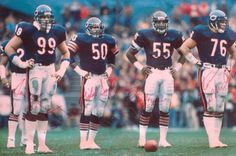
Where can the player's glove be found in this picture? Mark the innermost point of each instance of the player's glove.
(5, 82)
(146, 70)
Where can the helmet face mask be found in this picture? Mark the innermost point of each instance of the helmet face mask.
(44, 16)
(94, 27)
(160, 22)
(218, 21)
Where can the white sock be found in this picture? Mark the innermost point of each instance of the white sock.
(163, 132)
(23, 131)
(92, 135)
(209, 123)
(42, 128)
(218, 124)
(30, 127)
(142, 132)
(83, 136)
(12, 126)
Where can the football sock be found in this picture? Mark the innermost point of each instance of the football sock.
(143, 124)
(84, 126)
(163, 125)
(12, 126)
(42, 128)
(94, 126)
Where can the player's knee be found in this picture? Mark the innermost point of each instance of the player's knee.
(45, 105)
(18, 106)
(35, 107)
(164, 104)
(150, 102)
(88, 108)
(220, 103)
(100, 112)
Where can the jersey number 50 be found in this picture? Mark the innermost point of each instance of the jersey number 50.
(99, 52)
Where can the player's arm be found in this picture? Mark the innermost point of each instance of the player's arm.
(232, 58)
(130, 54)
(10, 50)
(3, 63)
(65, 60)
(185, 50)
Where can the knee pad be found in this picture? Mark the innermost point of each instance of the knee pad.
(88, 107)
(51, 86)
(164, 103)
(46, 105)
(18, 106)
(211, 102)
(220, 103)
(35, 107)
(149, 102)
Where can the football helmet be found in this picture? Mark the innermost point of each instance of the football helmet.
(44, 16)
(160, 22)
(218, 21)
(94, 27)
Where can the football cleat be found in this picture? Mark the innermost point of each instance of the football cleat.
(93, 146)
(83, 146)
(10, 143)
(141, 143)
(44, 149)
(164, 144)
(29, 149)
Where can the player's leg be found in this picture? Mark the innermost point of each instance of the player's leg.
(221, 93)
(97, 112)
(35, 86)
(207, 92)
(17, 96)
(87, 94)
(149, 102)
(49, 86)
(165, 94)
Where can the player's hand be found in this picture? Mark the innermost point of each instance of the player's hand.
(199, 64)
(87, 75)
(30, 63)
(57, 76)
(173, 72)
(5, 82)
(146, 70)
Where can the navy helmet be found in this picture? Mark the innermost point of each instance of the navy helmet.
(217, 21)
(160, 22)
(44, 16)
(94, 27)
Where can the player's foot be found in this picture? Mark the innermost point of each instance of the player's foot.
(10, 143)
(222, 145)
(29, 149)
(141, 143)
(44, 149)
(93, 145)
(83, 146)
(214, 144)
(164, 143)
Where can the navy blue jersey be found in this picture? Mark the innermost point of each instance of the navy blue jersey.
(20, 52)
(94, 53)
(158, 48)
(41, 46)
(212, 47)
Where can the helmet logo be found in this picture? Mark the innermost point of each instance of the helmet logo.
(213, 17)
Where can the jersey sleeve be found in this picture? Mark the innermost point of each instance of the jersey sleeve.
(138, 41)
(22, 30)
(112, 52)
(195, 35)
(178, 41)
(61, 34)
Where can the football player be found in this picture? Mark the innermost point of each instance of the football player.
(97, 52)
(40, 39)
(18, 93)
(158, 43)
(214, 42)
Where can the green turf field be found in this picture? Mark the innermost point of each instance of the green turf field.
(122, 142)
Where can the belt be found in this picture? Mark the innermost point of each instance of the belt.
(162, 68)
(209, 65)
(43, 64)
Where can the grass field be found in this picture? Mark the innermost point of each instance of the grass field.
(122, 142)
